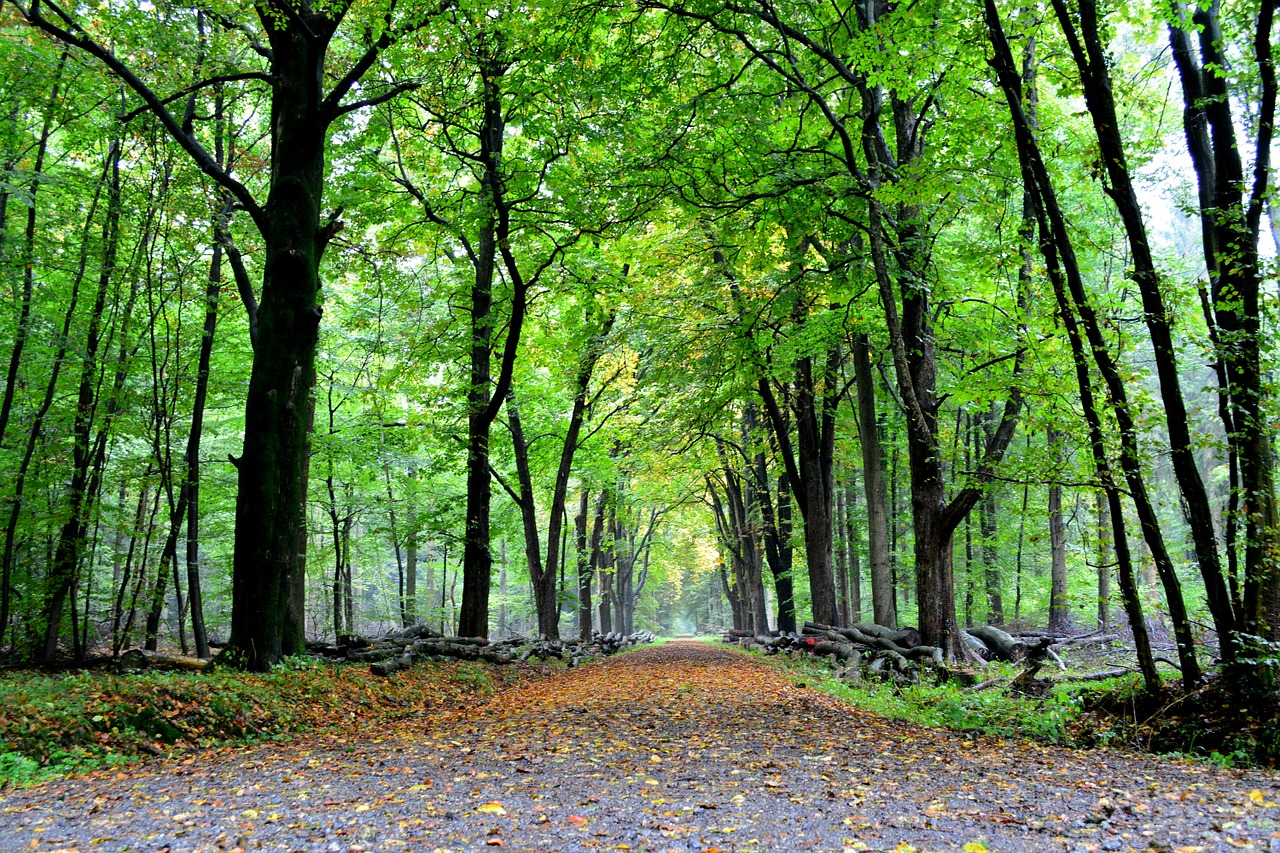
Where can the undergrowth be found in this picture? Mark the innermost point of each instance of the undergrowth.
(54, 725)
(1209, 724)
(952, 706)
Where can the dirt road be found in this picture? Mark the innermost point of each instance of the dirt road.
(680, 747)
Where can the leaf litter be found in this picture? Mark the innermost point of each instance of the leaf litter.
(681, 747)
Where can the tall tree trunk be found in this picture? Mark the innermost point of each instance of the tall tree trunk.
(1056, 249)
(411, 573)
(883, 603)
(486, 394)
(842, 548)
(191, 484)
(1092, 61)
(70, 549)
(934, 518)
(855, 559)
(987, 525)
(584, 565)
(1105, 559)
(1231, 223)
(776, 533)
(1059, 604)
(23, 327)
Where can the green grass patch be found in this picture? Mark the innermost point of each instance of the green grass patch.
(1060, 718)
(1210, 724)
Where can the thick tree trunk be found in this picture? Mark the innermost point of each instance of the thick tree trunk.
(815, 431)
(911, 340)
(269, 570)
(485, 399)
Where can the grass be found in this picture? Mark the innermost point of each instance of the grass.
(55, 725)
(1208, 724)
(950, 705)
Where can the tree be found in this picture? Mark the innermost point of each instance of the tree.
(293, 46)
(543, 577)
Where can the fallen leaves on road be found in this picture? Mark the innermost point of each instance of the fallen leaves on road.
(679, 747)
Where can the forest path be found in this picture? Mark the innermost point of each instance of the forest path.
(679, 747)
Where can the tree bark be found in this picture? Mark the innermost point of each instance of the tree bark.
(543, 577)
(70, 548)
(1056, 250)
(584, 566)
(1059, 606)
(1105, 560)
(487, 393)
(883, 601)
(1230, 224)
(1091, 59)
(268, 574)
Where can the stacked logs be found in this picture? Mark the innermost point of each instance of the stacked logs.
(402, 649)
(870, 650)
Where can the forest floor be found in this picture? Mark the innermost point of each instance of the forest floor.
(680, 747)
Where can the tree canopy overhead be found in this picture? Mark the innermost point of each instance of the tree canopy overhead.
(551, 317)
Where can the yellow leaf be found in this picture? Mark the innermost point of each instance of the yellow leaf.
(492, 808)
(1256, 797)
(904, 847)
(974, 847)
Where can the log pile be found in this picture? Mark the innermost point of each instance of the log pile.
(402, 649)
(870, 650)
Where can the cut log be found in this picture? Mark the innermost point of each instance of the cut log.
(372, 655)
(140, 659)
(839, 651)
(904, 637)
(1002, 645)
(392, 665)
